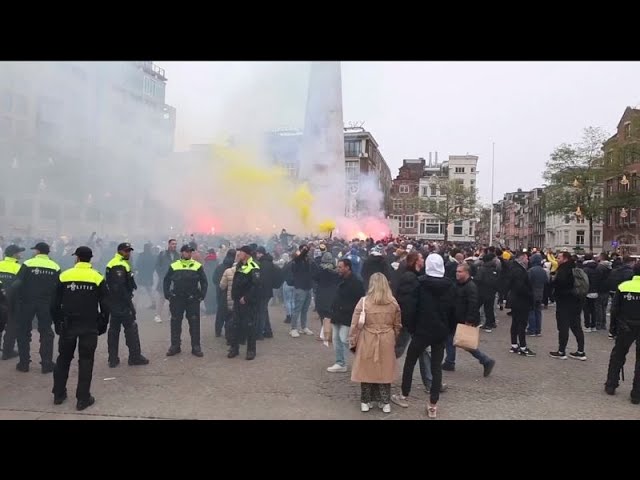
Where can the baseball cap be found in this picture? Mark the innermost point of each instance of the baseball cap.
(11, 250)
(83, 252)
(261, 250)
(186, 248)
(125, 246)
(42, 248)
(246, 249)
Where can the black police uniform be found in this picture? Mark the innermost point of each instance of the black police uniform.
(9, 271)
(4, 308)
(123, 314)
(246, 284)
(626, 307)
(80, 311)
(185, 286)
(38, 278)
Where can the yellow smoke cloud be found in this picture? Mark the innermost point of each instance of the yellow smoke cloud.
(327, 226)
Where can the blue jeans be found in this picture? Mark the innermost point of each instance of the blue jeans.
(424, 360)
(288, 294)
(302, 301)
(341, 343)
(535, 319)
(482, 357)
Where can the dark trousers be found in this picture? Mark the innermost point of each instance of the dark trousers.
(179, 308)
(519, 320)
(416, 348)
(243, 325)
(131, 335)
(264, 324)
(624, 340)
(424, 360)
(547, 295)
(375, 392)
(25, 325)
(487, 303)
(568, 317)
(87, 344)
(590, 312)
(10, 334)
(222, 313)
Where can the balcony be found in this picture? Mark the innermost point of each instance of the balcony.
(152, 69)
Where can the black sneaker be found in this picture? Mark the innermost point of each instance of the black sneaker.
(530, 334)
(526, 352)
(233, 352)
(82, 404)
(218, 334)
(47, 367)
(58, 399)
(443, 388)
(487, 328)
(558, 355)
(288, 319)
(9, 355)
(268, 335)
(197, 352)
(578, 356)
(139, 360)
(514, 350)
(114, 363)
(610, 390)
(22, 367)
(635, 400)
(501, 307)
(488, 367)
(173, 351)
(448, 367)
(251, 355)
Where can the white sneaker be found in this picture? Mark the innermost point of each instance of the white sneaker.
(157, 319)
(365, 407)
(336, 368)
(306, 331)
(386, 408)
(294, 333)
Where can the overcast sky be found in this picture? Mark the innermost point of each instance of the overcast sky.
(413, 108)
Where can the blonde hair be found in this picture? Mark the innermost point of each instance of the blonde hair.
(379, 291)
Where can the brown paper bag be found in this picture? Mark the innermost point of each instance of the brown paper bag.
(466, 337)
(327, 329)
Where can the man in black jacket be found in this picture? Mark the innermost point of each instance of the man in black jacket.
(521, 302)
(303, 270)
(568, 307)
(164, 260)
(592, 305)
(350, 291)
(246, 293)
(487, 280)
(270, 276)
(375, 263)
(222, 312)
(466, 313)
(620, 274)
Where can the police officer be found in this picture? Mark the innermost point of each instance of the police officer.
(38, 278)
(626, 308)
(9, 271)
(80, 311)
(245, 293)
(185, 286)
(121, 285)
(4, 308)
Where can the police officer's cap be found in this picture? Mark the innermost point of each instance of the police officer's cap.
(42, 248)
(124, 247)
(11, 250)
(246, 249)
(186, 248)
(83, 252)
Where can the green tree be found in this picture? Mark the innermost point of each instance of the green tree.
(454, 203)
(574, 179)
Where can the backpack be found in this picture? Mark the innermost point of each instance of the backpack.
(580, 283)
(488, 277)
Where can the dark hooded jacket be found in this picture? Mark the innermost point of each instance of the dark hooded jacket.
(467, 303)
(269, 275)
(407, 296)
(595, 273)
(375, 264)
(327, 279)
(435, 309)
(520, 291)
(487, 278)
(537, 277)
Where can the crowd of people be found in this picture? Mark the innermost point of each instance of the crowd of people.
(376, 299)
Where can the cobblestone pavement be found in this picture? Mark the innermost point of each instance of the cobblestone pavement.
(288, 380)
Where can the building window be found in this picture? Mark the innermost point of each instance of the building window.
(148, 86)
(457, 227)
(403, 189)
(566, 237)
(398, 205)
(472, 182)
(398, 218)
(597, 239)
(431, 228)
(352, 170)
(459, 181)
(409, 221)
(473, 169)
(459, 169)
(580, 219)
(567, 219)
(579, 237)
(627, 130)
(434, 190)
(470, 230)
(352, 148)
(292, 170)
(425, 191)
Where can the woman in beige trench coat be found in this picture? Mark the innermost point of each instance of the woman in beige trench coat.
(375, 360)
